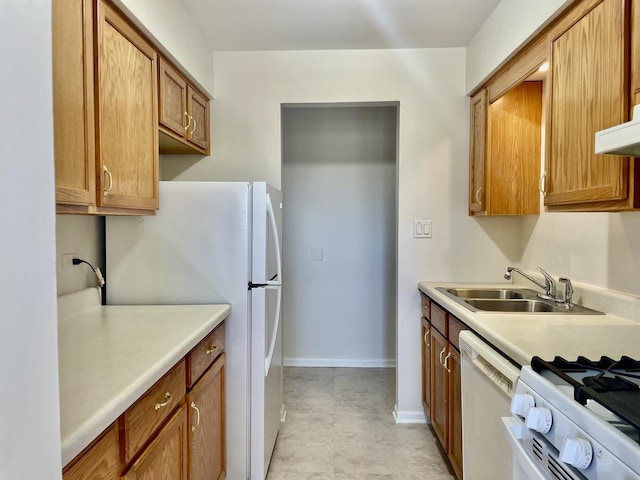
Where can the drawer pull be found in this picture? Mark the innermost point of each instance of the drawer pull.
(186, 128)
(166, 402)
(110, 177)
(193, 427)
(441, 354)
(212, 349)
(426, 336)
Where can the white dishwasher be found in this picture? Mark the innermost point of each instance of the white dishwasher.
(488, 382)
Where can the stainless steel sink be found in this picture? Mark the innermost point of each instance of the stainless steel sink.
(510, 300)
(520, 305)
(503, 293)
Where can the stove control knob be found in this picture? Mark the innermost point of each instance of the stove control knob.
(521, 403)
(539, 419)
(576, 452)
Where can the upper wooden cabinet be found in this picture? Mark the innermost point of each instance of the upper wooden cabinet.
(477, 153)
(73, 114)
(504, 160)
(589, 92)
(184, 113)
(105, 111)
(127, 115)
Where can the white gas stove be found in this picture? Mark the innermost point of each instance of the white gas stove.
(576, 420)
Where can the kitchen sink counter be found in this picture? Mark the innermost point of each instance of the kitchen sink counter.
(523, 335)
(110, 355)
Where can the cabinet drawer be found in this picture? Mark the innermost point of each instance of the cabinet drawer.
(439, 319)
(97, 462)
(425, 305)
(203, 354)
(455, 327)
(144, 417)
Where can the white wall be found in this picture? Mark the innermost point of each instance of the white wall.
(339, 184)
(29, 406)
(508, 27)
(432, 161)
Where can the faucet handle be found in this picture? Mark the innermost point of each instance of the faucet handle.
(568, 290)
(549, 282)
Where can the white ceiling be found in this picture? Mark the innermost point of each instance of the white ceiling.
(338, 24)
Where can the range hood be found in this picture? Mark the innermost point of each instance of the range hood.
(623, 139)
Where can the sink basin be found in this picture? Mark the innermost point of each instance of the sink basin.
(520, 305)
(497, 293)
(510, 300)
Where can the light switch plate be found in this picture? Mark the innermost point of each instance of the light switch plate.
(422, 229)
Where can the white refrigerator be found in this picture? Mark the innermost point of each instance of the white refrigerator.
(216, 242)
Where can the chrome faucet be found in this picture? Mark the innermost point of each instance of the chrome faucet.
(549, 286)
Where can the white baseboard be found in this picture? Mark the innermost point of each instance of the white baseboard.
(340, 362)
(407, 416)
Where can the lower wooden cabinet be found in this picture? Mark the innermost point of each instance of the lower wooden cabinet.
(441, 384)
(175, 431)
(100, 462)
(206, 457)
(165, 457)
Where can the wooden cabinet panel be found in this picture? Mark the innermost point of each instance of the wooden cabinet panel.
(439, 319)
(99, 462)
(425, 305)
(426, 366)
(127, 93)
(165, 458)
(203, 355)
(454, 449)
(439, 387)
(73, 113)
(198, 108)
(142, 419)
(184, 113)
(173, 94)
(477, 152)
(206, 402)
(588, 93)
(514, 151)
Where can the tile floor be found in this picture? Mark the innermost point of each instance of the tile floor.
(340, 427)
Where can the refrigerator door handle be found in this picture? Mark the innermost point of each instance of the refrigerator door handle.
(276, 241)
(274, 333)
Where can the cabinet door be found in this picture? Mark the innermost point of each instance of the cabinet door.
(198, 108)
(73, 113)
(513, 151)
(439, 386)
(165, 458)
(454, 449)
(100, 462)
(206, 402)
(127, 90)
(173, 99)
(588, 93)
(426, 366)
(477, 152)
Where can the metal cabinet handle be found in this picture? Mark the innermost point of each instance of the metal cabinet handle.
(195, 125)
(110, 177)
(426, 335)
(446, 360)
(186, 128)
(441, 354)
(542, 184)
(478, 195)
(193, 427)
(166, 402)
(211, 349)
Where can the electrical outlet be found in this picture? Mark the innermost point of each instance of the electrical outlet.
(67, 260)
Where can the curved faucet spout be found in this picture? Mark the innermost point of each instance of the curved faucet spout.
(549, 285)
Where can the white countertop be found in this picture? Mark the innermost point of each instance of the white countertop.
(522, 335)
(108, 356)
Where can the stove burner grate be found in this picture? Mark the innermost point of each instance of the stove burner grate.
(607, 382)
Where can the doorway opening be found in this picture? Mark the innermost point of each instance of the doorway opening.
(339, 183)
